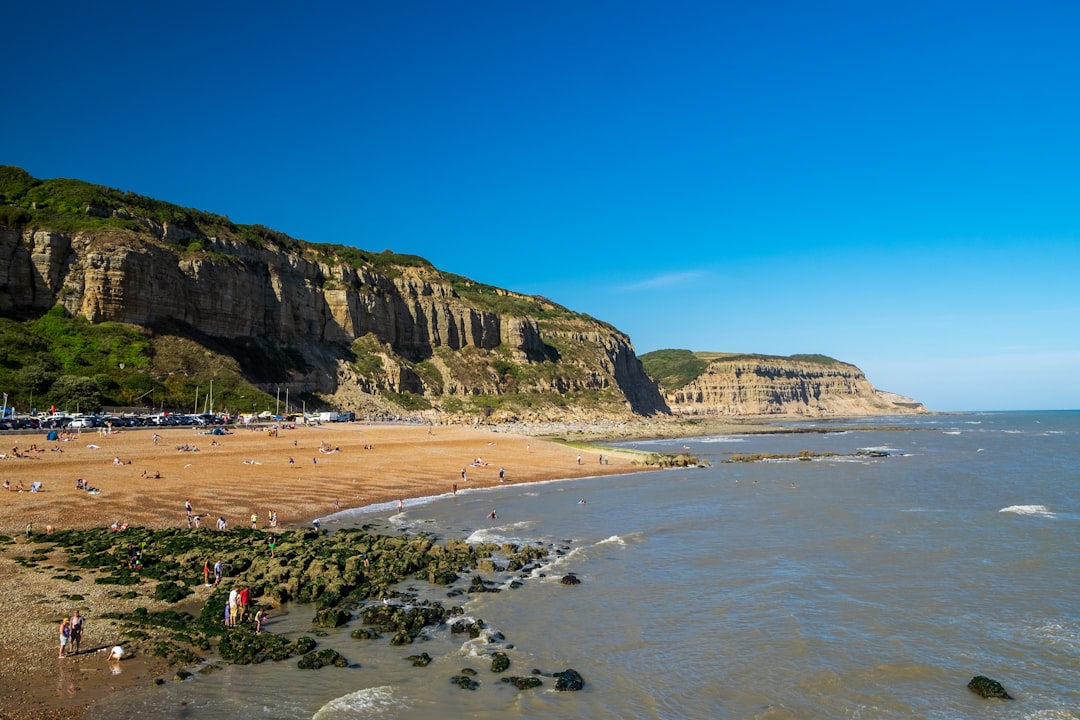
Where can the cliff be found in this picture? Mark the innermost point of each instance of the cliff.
(360, 329)
(749, 385)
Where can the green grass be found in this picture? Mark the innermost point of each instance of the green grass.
(675, 369)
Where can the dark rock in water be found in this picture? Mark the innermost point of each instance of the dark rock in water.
(401, 638)
(524, 683)
(302, 645)
(365, 634)
(322, 658)
(331, 618)
(479, 585)
(570, 579)
(500, 662)
(569, 680)
(982, 685)
(464, 682)
(181, 675)
(421, 660)
(472, 629)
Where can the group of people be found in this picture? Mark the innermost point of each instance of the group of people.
(71, 632)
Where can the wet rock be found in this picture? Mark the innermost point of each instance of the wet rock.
(524, 683)
(330, 618)
(568, 679)
(570, 579)
(464, 682)
(473, 629)
(987, 688)
(365, 634)
(421, 660)
(321, 658)
(500, 662)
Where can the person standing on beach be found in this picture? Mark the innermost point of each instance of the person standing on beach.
(254, 521)
(217, 573)
(76, 631)
(234, 612)
(206, 572)
(65, 635)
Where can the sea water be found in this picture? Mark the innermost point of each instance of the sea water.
(849, 586)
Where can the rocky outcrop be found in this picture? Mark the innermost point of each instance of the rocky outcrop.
(745, 385)
(306, 301)
(988, 688)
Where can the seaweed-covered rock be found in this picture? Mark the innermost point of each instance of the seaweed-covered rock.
(472, 629)
(568, 680)
(302, 645)
(465, 679)
(987, 688)
(570, 579)
(171, 592)
(421, 660)
(243, 647)
(524, 683)
(322, 658)
(330, 618)
(365, 634)
(500, 662)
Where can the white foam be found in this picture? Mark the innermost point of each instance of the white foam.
(614, 539)
(370, 701)
(1034, 510)
(513, 533)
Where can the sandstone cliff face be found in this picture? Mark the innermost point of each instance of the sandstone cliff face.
(783, 386)
(270, 296)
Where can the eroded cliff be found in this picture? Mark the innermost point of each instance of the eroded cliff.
(319, 321)
(749, 385)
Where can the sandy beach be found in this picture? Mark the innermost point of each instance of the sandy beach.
(300, 473)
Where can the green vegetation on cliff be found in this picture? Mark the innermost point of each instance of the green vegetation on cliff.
(675, 369)
(353, 329)
(73, 364)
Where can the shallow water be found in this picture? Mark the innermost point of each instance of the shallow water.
(843, 587)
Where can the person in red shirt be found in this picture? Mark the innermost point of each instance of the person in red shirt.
(244, 603)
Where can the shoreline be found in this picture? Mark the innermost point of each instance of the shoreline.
(300, 472)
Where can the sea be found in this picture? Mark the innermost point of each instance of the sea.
(872, 585)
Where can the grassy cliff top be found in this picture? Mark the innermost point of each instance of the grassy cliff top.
(677, 368)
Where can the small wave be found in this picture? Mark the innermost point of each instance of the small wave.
(613, 540)
(950, 432)
(721, 439)
(501, 534)
(370, 701)
(1035, 510)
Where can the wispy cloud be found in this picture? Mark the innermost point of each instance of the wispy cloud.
(662, 281)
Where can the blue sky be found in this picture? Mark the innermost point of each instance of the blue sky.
(895, 185)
